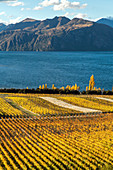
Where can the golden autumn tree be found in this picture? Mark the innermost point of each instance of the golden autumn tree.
(95, 88)
(75, 87)
(40, 87)
(67, 87)
(86, 88)
(45, 86)
(53, 86)
(62, 88)
(91, 83)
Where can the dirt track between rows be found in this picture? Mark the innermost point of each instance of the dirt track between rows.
(102, 98)
(69, 106)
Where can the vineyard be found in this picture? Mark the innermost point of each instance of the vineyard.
(7, 109)
(39, 106)
(36, 134)
(90, 102)
(56, 143)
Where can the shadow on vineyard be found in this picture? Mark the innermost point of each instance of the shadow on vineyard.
(107, 167)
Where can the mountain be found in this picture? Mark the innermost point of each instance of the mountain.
(2, 27)
(35, 25)
(28, 22)
(107, 21)
(53, 23)
(57, 34)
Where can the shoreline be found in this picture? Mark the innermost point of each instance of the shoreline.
(56, 91)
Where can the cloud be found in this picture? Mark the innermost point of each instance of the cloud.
(2, 13)
(96, 19)
(65, 4)
(16, 4)
(37, 8)
(83, 6)
(46, 3)
(4, 22)
(80, 15)
(28, 9)
(22, 9)
(13, 21)
(67, 14)
(7, 0)
(59, 5)
(11, 16)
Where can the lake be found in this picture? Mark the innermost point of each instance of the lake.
(31, 69)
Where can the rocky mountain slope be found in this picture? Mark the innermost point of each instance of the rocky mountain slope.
(57, 34)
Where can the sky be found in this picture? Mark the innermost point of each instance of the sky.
(13, 11)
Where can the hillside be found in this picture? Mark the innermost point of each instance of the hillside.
(57, 34)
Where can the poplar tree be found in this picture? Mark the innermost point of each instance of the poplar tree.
(91, 82)
(40, 87)
(53, 86)
(62, 88)
(86, 88)
(75, 86)
(45, 86)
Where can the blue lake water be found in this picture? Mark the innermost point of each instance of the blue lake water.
(22, 69)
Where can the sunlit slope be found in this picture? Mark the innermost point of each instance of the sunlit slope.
(89, 102)
(7, 109)
(35, 104)
(40, 106)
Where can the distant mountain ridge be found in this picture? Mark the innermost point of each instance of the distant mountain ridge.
(2, 27)
(56, 34)
(106, 21)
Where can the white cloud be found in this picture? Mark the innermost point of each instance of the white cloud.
(4, 22)
(11, 16)
(7, 0)
(37, 8)
(65, 4)
(59, 5)
(96, 19)
(46, 3)
(83, 6)
(13, 21)
(28, 9)
(16, 4)
(22, 9)
(2, 13)
(80, 15)
(66, 14)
